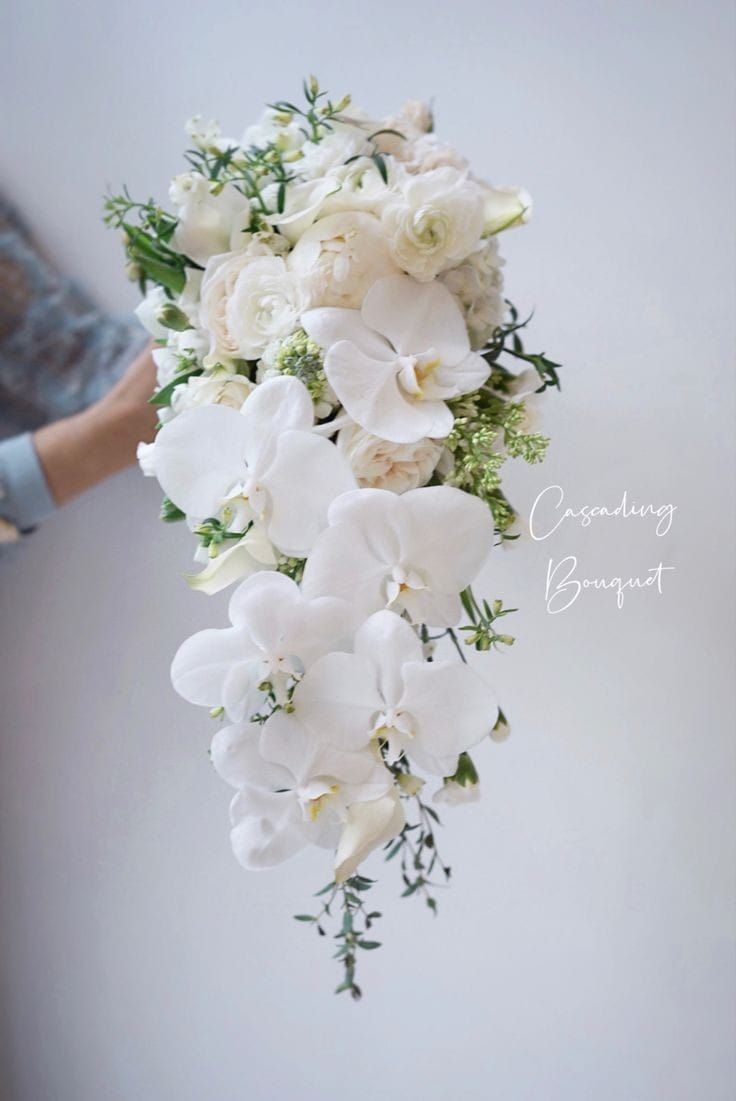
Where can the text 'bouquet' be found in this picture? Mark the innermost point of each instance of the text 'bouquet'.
(340, 381)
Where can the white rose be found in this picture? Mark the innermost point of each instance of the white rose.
(434, 222)
(205, 220)
(247, 302)
(379, 464)
(478, 285)
(218, 388)
(340, 257)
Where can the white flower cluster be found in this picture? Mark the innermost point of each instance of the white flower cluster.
(337, 279)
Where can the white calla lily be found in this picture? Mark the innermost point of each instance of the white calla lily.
(293, 790)
(385, 692)
(275, 635)
(263, 466)
(394, 363)
(368, 826)
(413, 552)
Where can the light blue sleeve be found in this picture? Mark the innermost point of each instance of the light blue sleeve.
(25, 498)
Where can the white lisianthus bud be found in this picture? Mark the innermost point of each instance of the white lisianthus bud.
(505, 207)
(380, 464)
(501, 731)
(454, 794)
(409, 783)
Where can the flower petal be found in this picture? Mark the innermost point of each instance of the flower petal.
(237, 759)
(251, 554)
(306, 475)
(344, 564)
(388, 641)
(454, 709)
(368, 826)
(369, 391)
(268, 828)
(447, 531)
(203, 662)
(464, 377)
(199, 456)
(329, 325)
(337, 699)
(417, 316)
(277, 405)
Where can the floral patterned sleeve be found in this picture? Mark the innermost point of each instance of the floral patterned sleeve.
(58, 354)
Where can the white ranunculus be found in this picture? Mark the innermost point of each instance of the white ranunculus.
(275, 634)
(217, 388)
(434, 222)
(477, 283)
(504, 207)
(293, 788)
(394, 364)
(264, 466)
(205, 219)
(247, 302)
(386, 693)
(380, 464)
(368, 826)
(413, 552)
(339, 258)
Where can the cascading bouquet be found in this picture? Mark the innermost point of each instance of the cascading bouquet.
(334, 411)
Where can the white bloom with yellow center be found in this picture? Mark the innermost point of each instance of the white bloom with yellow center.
(414, 552)
(293, 788)
(387, 694)
(394, 363)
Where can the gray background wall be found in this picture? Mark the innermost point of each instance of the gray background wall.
(586, 947)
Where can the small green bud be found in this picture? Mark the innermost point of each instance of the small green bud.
(216, 712)
(171, 317)
(507, 640)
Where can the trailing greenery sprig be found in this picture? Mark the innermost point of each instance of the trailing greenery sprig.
(356, 922)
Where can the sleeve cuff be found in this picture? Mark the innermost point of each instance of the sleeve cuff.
(25, 498)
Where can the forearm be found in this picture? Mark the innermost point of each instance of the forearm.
(79, 451)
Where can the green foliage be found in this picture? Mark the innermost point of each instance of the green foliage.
(481, 631)
(345, 902)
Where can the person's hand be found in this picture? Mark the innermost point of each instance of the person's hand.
(79, 451)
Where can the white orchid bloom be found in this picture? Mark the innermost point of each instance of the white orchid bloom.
(275, 635)
(386, 693)
(415, 552)
(368, 826)
(293, 790)
(394, 363)
(262, 466)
